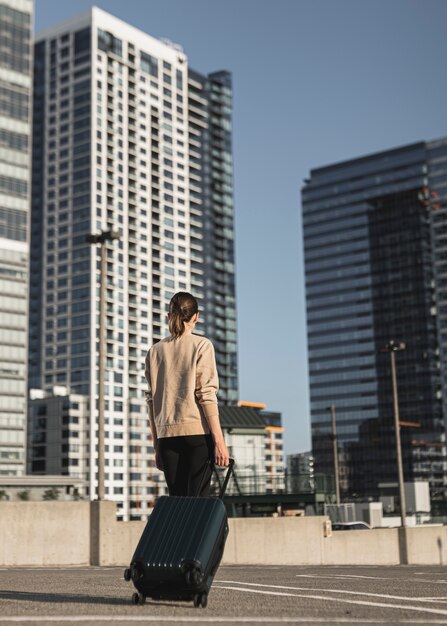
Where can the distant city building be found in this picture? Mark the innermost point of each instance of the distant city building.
(126, 137)
(300, 476)
(274, 449)
(58, 434)
(300, 463)
(59, 444)
(38, 488)
(255, 439)
(375, 264)
(15, 166)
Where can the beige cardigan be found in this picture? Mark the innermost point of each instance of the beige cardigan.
(183, 384)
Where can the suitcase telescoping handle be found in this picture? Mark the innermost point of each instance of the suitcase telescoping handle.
(227, 478)
(225, 482)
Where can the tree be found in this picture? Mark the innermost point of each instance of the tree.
(23, 495)
(76, 495)
(51, 494)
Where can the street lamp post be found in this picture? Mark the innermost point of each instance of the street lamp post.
(102, 239)
(392, 347)
(335, 451)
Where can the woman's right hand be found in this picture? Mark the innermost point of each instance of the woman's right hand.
(221, 454)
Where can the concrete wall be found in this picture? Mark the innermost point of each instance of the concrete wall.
(362, 547)
(44, 533)
(433, 548)
(81, 533)
(273, 540)
(112, 542)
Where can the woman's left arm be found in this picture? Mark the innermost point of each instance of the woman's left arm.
(150, 405)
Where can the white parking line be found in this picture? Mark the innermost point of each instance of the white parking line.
(327, 599)
(435, 582)
(358, 576)
(349, 576)
(350, 593)
(341, 576)
(433, 598)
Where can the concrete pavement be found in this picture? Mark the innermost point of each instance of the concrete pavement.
(240, 595)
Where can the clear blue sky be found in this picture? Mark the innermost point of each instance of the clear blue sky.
(315, 82)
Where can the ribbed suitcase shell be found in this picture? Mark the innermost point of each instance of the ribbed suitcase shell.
(181, 532)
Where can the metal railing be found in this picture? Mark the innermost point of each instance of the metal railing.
(247, 482)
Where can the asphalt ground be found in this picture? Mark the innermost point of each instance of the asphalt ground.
(240, 595)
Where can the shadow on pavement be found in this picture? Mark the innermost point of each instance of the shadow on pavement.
(33, 596)
(61, 598)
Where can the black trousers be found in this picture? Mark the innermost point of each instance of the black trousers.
(185, 464)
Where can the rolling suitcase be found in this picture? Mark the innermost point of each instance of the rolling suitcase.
(180, 548)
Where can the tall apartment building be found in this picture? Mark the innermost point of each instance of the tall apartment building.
(15, 129)
(376, 270)
(211, 201)
(126, 137)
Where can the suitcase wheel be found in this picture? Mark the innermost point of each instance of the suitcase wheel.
(127, 574)
(193, 577)
(138, 598)
(136, 571)
(200, 599)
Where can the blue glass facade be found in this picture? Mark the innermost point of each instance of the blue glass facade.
(370, 278)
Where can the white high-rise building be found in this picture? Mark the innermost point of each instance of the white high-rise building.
(113, 151)
(15, 132)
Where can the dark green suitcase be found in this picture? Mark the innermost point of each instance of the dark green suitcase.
(180, 548)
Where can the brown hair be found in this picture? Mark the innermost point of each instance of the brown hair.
(182, 307)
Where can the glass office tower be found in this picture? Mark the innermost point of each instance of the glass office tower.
(123, 140)
(15, 128)
(374, 249)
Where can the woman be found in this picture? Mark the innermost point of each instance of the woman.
(182, 398)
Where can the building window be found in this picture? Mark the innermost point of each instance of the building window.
(149, 64)
(82, 41)
(108, 43)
